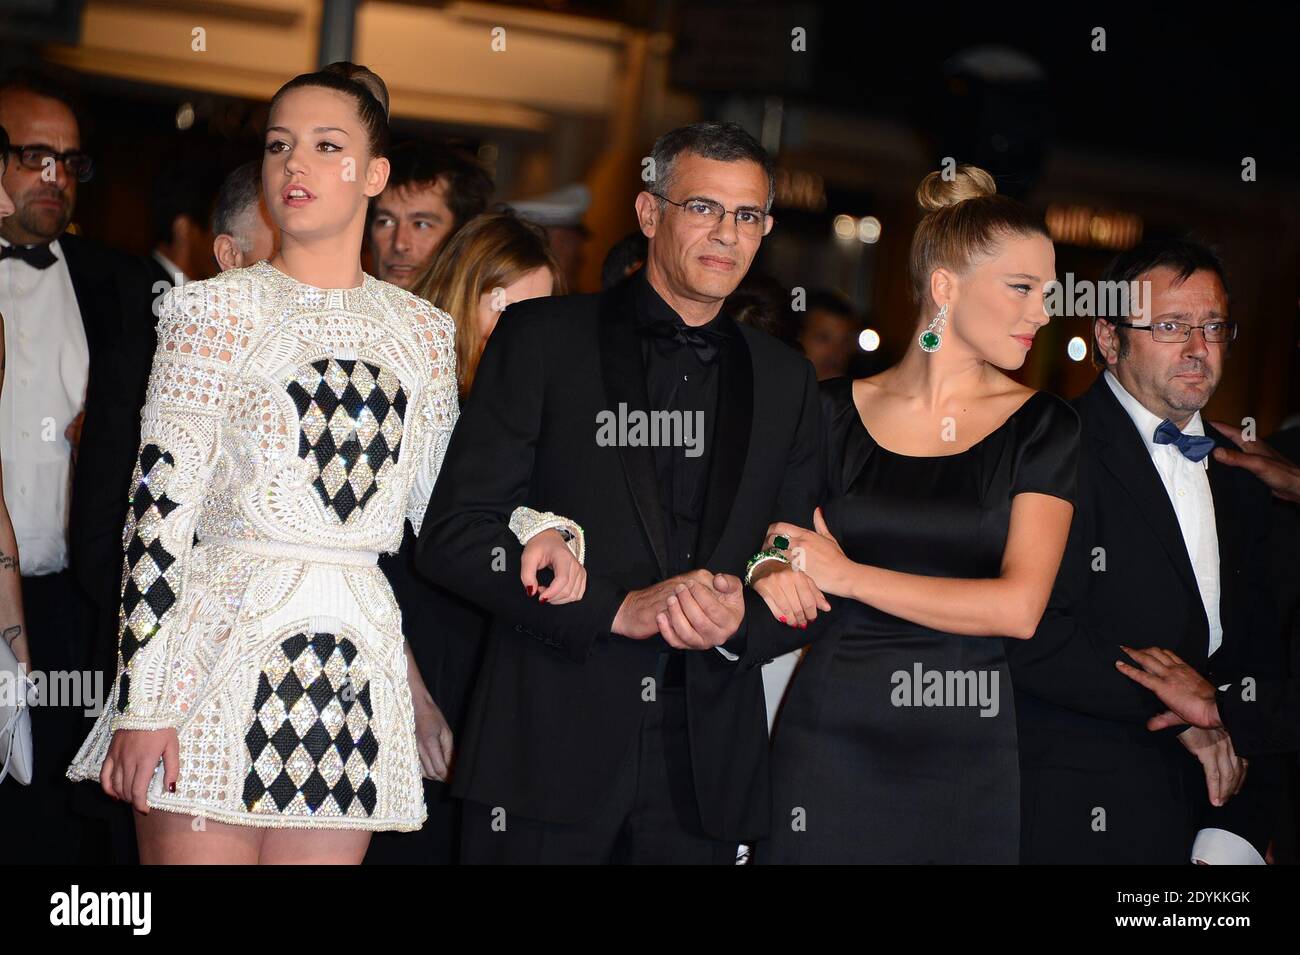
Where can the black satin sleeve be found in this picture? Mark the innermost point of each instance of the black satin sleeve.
(839, 415)
(1047, 448)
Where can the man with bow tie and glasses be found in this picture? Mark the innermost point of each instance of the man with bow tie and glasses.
(1167, 549)
(75, 313)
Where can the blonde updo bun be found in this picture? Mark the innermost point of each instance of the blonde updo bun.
(968, 182)
(965, 219)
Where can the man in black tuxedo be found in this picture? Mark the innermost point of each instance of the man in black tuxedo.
(630, 725)
(1267, 719)
(1168, 547)
(79, 317)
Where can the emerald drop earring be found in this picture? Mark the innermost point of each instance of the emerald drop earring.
(932, 337)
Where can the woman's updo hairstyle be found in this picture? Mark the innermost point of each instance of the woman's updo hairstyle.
(364, 86)
(964, 220)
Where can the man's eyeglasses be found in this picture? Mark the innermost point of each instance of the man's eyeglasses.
(705, 212)
(1217, 332)
(39, 157)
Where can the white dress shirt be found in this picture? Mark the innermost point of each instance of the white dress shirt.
(47, 364)
(1188, 485)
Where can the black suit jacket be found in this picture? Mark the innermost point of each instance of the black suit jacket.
(559, 700)
(114, 297)
(1084, 746)
(159, 277)
(1270, 722)
(1267, 721)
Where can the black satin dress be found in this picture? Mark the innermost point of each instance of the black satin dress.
(857, 776)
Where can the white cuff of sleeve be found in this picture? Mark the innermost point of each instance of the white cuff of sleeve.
(1221, 847)
(156, 721)
(527, 524)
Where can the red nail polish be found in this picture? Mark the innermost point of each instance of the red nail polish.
(803, 626)
(782, 619)
(171, 787)
(542, 599)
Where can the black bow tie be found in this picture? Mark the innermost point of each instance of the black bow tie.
(706, 341)
(37, 256)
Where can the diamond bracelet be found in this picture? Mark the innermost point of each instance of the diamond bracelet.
(762, 557)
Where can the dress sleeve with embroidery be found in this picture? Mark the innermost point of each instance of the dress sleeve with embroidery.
(437, 332)
(199, 334)
(439, 409)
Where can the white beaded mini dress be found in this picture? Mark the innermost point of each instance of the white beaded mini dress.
(288, 432)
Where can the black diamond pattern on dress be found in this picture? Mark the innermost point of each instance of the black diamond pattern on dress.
(333, 767)
(350, 416)
(147, 590)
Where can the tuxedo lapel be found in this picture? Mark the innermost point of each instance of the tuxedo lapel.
(86, 284)
(729, 439)
(624, 373)
(1123, 453)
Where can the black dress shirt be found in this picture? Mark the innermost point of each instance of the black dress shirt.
(678, 381)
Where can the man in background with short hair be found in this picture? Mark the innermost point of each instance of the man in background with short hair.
(829, 333)
(180, 208)
(433, 190)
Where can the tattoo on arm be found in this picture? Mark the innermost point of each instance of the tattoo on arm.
(8, 561)
(12, 633)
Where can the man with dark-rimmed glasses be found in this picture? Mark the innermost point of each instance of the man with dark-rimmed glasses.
(631, 726)
(1167, 549)
(78, 333)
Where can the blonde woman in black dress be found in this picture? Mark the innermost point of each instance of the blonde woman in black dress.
(946, 509)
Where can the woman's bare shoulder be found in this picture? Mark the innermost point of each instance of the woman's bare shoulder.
(873, 389)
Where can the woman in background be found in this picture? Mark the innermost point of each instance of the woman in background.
(495, 260)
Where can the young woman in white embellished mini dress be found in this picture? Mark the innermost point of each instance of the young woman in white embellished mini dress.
(297, 414)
